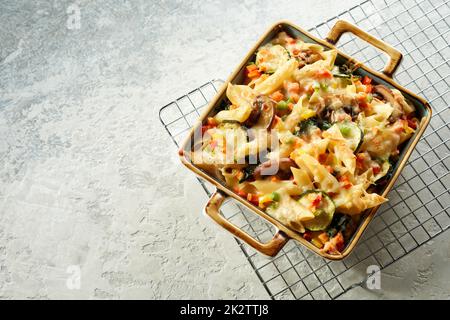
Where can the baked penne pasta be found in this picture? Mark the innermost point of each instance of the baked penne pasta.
(307, 141)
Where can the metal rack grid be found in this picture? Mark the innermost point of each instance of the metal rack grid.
(419, 204)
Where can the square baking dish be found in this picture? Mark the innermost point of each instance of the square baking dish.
(283, 233)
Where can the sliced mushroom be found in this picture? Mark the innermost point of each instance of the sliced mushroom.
(254, 115)
(267, 113)
(262, 118)
(272, 167)
(307, 57)
(286, 164)
(384, 92)
(388, 96)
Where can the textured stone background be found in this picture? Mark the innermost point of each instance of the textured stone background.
(90, 178)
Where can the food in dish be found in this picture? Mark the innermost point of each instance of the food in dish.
(307, 141)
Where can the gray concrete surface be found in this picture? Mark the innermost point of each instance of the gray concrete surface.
(94, 203)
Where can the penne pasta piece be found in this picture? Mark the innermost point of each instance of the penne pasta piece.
(302, 179)
(329, 58)
(345, 155)
(356, 200)
(325, 180)
(240, 96)
(273, 82)
(268, 186)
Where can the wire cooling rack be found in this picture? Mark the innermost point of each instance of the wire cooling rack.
(418, 207)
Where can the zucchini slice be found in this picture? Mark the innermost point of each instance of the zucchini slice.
(321, 205)
(270, 57)
(352, 133)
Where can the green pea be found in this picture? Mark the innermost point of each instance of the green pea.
(282, 105)
(275, 196)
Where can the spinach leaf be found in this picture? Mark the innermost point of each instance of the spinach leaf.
(305, 125)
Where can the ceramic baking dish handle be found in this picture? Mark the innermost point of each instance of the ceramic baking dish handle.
(270, 248)
(343, 26)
